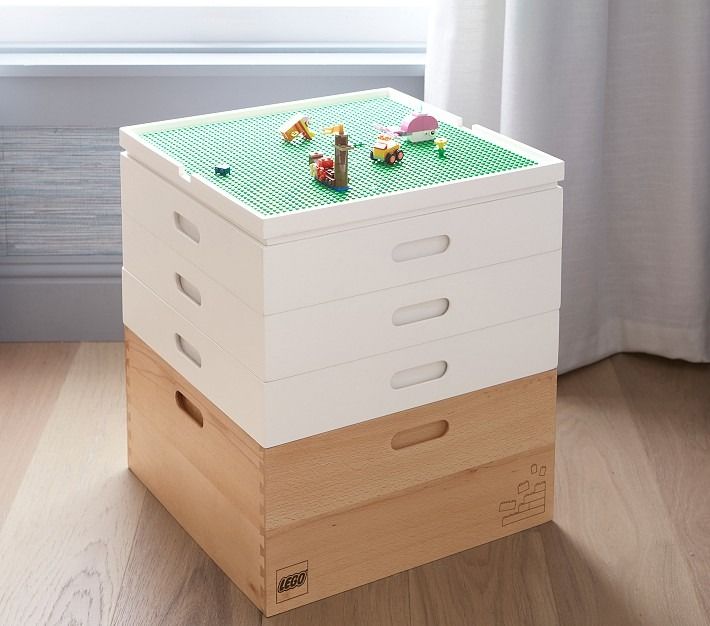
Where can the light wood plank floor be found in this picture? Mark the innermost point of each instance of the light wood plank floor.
(82, 542)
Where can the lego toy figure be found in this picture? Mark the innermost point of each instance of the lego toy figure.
(296, 125)
(332, 172)
(419, 127)
(440, 143)
(388, 149)
(415, 127)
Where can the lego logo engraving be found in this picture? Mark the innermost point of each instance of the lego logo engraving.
(292, 581)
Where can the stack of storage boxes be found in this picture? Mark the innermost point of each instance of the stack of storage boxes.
(325, 388)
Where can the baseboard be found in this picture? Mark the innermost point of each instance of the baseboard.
(60, 299)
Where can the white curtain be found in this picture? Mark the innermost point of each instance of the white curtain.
(621, 91)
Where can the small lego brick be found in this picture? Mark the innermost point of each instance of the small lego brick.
(440, 145)
(296, 125)
(313, 163)
(222, 169)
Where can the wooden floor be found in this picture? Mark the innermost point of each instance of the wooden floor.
(81, 542)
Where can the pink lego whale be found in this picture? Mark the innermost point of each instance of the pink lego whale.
(415, 127)
(419, 127)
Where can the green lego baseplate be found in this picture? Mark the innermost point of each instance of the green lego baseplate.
(271, 176)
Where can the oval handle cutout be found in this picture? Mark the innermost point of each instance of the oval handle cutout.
(421, 248)
(418, 375)
(188, 289)
(186, 227)
(420, 311)
(188, 350)
(186, 406)
(419, 434)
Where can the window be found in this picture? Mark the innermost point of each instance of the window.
(272, 26)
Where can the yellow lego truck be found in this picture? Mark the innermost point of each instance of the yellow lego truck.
(387, 149)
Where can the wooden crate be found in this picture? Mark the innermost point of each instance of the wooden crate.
(298, 522)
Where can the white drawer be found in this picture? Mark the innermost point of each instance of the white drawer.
(287, 409)
(276, 278)
(301, 340)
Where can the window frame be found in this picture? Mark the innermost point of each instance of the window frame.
(392, 26)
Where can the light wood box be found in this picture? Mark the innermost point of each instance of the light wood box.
(297, 522)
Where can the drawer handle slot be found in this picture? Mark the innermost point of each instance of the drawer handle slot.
(420, 248)
(188, 350)
(419, 312)
(186, 227)
(186, 406)
(420, 434)
(418, 375)
(188, 289)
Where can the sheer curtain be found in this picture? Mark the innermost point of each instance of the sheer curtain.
(621, 92)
